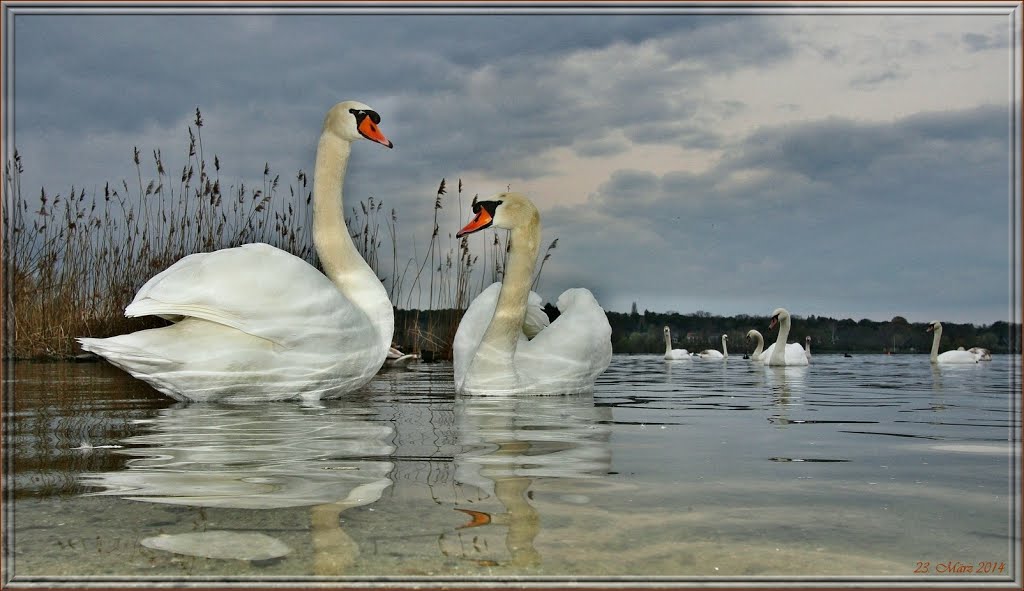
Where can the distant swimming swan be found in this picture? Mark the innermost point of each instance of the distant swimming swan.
(714, 354)
(959, 356)
(671, 353)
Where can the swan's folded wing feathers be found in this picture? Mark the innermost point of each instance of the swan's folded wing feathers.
(243, 288)
(471, 329)
(577, 345)
(536, 318)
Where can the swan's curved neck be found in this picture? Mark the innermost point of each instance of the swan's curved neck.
(935, 344)
(779, 353)
(668, 343)
(760, 344)
(725, 349)
(499, 341)
(808, 346)
(341, 261)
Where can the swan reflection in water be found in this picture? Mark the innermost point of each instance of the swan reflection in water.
(511, 443)
(266, 456)
(785, 383)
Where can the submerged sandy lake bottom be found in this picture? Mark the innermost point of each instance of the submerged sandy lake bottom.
(879, 468)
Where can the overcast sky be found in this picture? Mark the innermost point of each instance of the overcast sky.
(843, 162)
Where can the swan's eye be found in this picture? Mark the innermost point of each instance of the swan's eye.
(361, 114)
(490, 206)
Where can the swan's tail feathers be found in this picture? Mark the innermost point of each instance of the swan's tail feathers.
(124, 355)
(140, 363)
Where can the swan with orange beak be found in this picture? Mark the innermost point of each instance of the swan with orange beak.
(492, 354)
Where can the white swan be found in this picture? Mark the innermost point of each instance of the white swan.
(256, 323)
(492, 354)
(959, 356)
(807, 347)
(781, 353)
(715, 354)
(671, 353)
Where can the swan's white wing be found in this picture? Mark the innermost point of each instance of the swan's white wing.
(575, 349)
(259, 290)
(678, 354)
(981, 353)
(536, 318)
(958, 357)
(471, 329)
(794, 354)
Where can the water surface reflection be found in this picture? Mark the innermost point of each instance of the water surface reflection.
(849, 467)
(508, 444)
(254, 457)
(329, 457)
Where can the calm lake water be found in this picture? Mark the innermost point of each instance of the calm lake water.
(879, 468)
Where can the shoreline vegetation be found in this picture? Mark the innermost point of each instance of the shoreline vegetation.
(72, 262)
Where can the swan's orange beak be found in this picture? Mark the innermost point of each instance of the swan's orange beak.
(775, 320)
(480, 221)
(478, 518)
(370, 131)
(930, 328)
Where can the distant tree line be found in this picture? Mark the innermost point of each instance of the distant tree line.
(636, 332)
(641, 332)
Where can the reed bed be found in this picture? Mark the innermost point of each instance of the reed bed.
(72, 262)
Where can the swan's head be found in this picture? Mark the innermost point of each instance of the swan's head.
(933, 325)
(504, 210)
(666, 331)
(752, 334)
(778, 316)
(725, 337)
(352, 120)
(807, 339)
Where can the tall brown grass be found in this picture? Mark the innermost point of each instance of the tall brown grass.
(72, 262)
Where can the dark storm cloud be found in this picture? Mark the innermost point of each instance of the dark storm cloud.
(460, 93)
(141, 64)
(838, 148)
